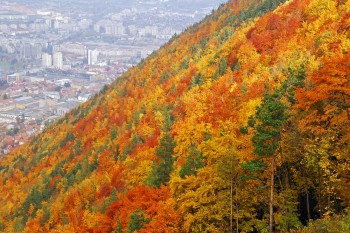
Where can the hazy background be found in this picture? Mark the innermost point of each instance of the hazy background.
(55, 55)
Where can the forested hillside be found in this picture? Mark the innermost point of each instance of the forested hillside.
(239, 124)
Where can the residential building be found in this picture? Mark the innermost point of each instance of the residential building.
(92, 57)
(13, 78)
(58, 60)
(46, 60)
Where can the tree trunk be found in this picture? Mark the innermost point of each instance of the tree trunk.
(237, 226)
(308, 205)
(319, 188)
(284, 191)
(272, 185)
(231, 189)
(346, 106)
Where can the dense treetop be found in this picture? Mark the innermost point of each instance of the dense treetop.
(250, 105)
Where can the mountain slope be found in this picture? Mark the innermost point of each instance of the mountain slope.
(192, 138)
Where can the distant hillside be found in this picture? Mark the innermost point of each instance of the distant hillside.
(241, 123)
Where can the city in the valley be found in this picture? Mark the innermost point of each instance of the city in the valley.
(57, 54)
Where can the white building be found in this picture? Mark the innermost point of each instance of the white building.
(149, 31)
(65, 107)
(58, 60)
(92, 57)
(13, 78)
(62, 82)
(83, 97)
(73, 48)
(52, 94)
(5, 119)
(46, 59)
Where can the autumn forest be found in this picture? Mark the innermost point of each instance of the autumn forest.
(239, 124)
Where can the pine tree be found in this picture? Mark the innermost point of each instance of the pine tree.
(271, 116)
(137, 221)
(161, 171)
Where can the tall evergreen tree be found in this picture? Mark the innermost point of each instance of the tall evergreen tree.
(271, 116)
(161, 171)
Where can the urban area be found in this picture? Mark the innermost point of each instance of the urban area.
(55, 55)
